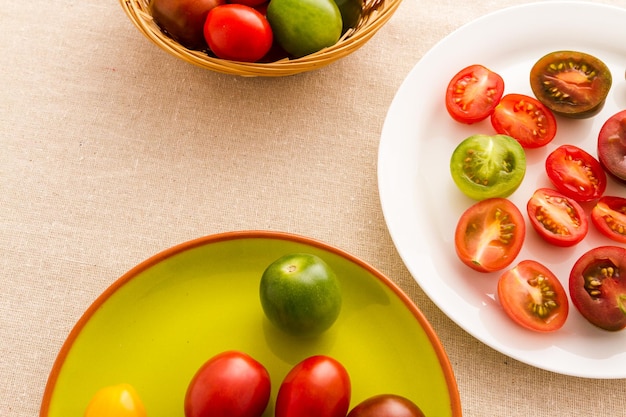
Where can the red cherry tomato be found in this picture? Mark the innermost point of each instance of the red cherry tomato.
(317, 386)
(525, 119)
(489, 235)
(559, 220)
(237, 32)
(473, 93)
(612, 145)
(229, 384)
(251, 3)
(609, 217)
(597, 286)
(575, 173)
(386, 405)
(533, 297)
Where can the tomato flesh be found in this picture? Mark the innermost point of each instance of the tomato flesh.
(473, 93)
(609, 217)
(525, 119)
(489, 235)
(575, 173)
(597, 286)
(559, 220)
(571, 83)
(612, 146)
(484, 166)
(533, 297)
(317, 386)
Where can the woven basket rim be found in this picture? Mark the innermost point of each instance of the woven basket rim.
(375, 14)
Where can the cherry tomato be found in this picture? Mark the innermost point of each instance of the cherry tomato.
(525, 119)
(237, 32)
(473, 93)
(609, 217)
(612, 145)
(386, 405)
(484, 166)
(489, 235)
(571, 83)
(119, 400)
(597, 286)
(575, 173)
(317, 386)
(229, 384)
(559, 220)
(251, 3)
(533, 297)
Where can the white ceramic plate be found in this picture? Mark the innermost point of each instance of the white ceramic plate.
(421, 204)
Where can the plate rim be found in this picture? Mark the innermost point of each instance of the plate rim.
(434, 340)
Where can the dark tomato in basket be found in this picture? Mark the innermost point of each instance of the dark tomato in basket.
(597, 286)
(559, 220)
(525, 119)
(612, 146)
(473, 93)
(609, 217)
(575, 173)
(237, 32)
(571, 83)
(533, 297)
(487, 166)
(386, 405)
(490, 234)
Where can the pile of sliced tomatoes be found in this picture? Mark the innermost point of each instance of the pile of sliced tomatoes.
(490, 234)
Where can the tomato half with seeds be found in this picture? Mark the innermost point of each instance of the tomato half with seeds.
(533, 297)
(559, 220)
(575, 173)
(597, 286)
(609, 217)
(525, 119)
(571, 83)
(489, 235)
(612, 146)
(487, 166)
(473, 93)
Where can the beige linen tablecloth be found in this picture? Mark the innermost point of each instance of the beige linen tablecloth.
(111, 151)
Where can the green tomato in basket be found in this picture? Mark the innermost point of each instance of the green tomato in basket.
(303, 27)
(350, 13)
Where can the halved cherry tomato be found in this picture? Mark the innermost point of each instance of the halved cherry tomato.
(575, 173)
(489, 235)
(473, 93)
(609, 217)
(525, 119)
(597, 286)
(612, 145)
(559, 220)
(571, 83)
(533, 297)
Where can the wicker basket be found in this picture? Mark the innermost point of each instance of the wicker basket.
(375, 14)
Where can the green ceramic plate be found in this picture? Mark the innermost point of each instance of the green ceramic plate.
(159, 322)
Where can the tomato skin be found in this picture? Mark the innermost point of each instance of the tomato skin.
(386, 405)
(484, 166)
(571, 83)
(612, 146)
(473, 93)
(533, 297)
(597, 286)
(525, 119)
(238, 32)
(230, 384)
(489, 235)
(609, 217)
(119, 400)
(317, 386)
(575, 173)
(559, 220)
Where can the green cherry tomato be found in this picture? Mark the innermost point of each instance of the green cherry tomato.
(487, 166)
(300, 294)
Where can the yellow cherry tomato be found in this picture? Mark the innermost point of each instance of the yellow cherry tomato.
(119, 400)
